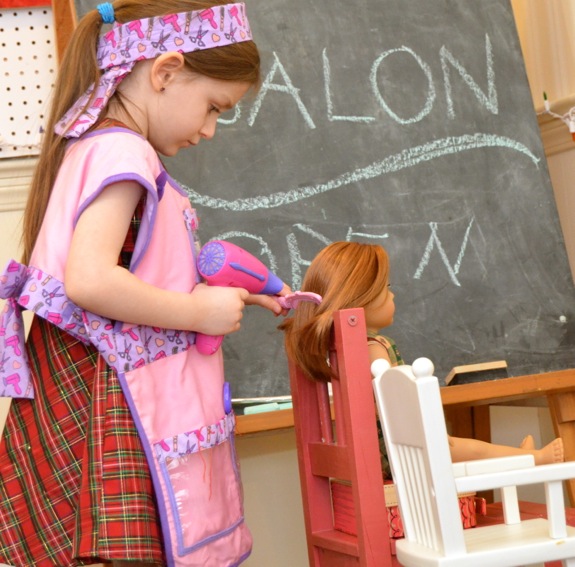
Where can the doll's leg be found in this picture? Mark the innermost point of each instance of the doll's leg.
(552, 453)
(528, 443)
(471, 449)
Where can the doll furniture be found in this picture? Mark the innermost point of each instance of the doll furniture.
(346, 450)
(428, 483)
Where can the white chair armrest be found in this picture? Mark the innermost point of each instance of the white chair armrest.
(509, 498)
(533, 475)
(459, 469)
(500, 464)
(482, 466)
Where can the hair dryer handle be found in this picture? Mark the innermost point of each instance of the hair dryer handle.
(208, 344)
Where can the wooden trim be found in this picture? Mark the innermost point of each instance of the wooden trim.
(65, 20)
(554, 132)
(15, 178)
(270, 421)
(505, 389)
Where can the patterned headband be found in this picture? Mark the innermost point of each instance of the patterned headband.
(126, 44)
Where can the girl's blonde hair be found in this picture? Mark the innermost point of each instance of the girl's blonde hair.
(79, 69)
(346, 275)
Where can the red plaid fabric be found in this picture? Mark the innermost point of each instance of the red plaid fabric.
(74, 483)
(75, 487)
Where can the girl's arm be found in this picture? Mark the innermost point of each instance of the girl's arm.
(94, 281)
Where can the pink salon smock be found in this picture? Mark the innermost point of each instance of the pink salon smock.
(175, 394)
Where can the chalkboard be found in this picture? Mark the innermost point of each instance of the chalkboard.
(407, 123)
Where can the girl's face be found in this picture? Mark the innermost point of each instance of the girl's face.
(379, 313)
(188, 109)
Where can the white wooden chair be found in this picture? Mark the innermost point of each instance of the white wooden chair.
(411, 413)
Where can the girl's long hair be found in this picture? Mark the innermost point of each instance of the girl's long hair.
(346, 275)
(79, 70)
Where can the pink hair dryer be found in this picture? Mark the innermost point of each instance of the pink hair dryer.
(227, 265)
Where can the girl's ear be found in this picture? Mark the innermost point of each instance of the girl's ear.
(165, 68)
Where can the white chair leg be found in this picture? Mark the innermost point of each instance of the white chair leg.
(556, 509)
(510, 505)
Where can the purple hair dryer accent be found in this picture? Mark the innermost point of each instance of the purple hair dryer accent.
(224, 264)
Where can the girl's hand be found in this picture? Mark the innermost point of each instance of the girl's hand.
(222, 308)
(268, 301)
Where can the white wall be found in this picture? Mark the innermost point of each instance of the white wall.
(272, 499)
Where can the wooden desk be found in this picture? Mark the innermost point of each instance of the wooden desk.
(270, 421)
(467, 408)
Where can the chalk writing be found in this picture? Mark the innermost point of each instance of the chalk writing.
(430, 93)
(396, 162)
(447, 59)
(298, 262)
(435, 241)
(489, 101)
(328, 96)
(288, 88)
(407, 123)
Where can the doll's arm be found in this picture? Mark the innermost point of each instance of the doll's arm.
(377, 350)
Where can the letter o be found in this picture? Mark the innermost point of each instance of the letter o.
(430, 92)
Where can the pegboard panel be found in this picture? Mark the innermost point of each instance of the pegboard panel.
(27, 75)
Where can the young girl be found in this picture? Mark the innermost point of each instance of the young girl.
(350, 274)
(119, 445)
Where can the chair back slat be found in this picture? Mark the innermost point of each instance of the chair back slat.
(355, 453)
(416, 439)
(324, 409)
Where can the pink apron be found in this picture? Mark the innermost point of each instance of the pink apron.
(177, 396)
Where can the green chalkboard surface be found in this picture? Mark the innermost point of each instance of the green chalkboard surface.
(408, 123)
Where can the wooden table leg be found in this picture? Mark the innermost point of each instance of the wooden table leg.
(459, 421)
(472, 422)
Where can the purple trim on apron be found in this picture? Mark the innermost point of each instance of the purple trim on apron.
(190, 442)
(14, 368)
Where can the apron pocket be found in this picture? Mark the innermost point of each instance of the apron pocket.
(201, 474)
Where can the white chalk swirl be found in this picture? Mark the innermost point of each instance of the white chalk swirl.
(407, 158)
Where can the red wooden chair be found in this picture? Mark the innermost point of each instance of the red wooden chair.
(345, 449)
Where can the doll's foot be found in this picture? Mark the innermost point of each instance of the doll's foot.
(551, 453)
(528, 443)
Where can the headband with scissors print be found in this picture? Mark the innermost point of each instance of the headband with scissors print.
(125, 44)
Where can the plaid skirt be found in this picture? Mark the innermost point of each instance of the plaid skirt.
(75, 487)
